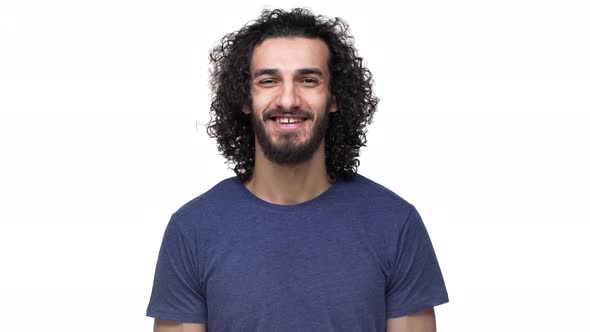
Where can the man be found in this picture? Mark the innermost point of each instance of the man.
(297, 241)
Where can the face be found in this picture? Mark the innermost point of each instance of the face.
(290, 98)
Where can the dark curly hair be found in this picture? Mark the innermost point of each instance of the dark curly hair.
(350, 84)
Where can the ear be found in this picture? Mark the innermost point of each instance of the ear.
(333, 105)
(245, 109)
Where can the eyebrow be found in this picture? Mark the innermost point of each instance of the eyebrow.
(302, 71)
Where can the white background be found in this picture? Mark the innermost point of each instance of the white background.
(482, 125)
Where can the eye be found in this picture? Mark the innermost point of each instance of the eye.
(266, 82)
(309, 81)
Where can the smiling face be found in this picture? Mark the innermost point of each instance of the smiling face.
(290, 98)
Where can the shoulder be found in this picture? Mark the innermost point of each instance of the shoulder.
(375, 195)
(217, 198)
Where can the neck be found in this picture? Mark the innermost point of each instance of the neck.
(292, 184)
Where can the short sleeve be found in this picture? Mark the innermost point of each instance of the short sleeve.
(176, 293)
(415, 281)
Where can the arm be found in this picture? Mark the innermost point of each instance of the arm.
(415, 284)
(173, 326)
(177, 301)
(421, 321)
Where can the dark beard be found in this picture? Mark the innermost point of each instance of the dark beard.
(288, 152)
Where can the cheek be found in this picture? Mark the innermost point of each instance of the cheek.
(319, 98)
(260, 101)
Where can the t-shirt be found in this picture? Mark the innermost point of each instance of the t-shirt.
(345, 260)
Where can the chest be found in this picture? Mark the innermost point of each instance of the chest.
(314, 269)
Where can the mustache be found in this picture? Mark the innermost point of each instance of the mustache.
(292, 112)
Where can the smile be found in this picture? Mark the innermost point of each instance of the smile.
(288, 120)
(288, 123)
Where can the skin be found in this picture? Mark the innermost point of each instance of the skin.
(421, 321)
(286, 87)
(161, 325)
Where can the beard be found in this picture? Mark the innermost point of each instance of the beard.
(288, 150)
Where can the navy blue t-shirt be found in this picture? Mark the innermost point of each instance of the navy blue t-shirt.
(344, 261)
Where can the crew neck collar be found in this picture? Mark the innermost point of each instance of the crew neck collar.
(259, 202)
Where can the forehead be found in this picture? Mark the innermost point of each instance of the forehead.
(289, 54)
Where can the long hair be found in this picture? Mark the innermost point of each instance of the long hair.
(350, 84)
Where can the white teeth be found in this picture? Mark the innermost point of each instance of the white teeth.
(288, 120)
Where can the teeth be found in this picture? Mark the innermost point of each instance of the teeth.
(288, 120)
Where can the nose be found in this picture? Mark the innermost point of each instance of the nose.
(288, 97)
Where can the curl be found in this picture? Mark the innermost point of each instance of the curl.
(350, 84)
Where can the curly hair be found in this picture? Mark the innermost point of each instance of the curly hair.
(350, 84)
